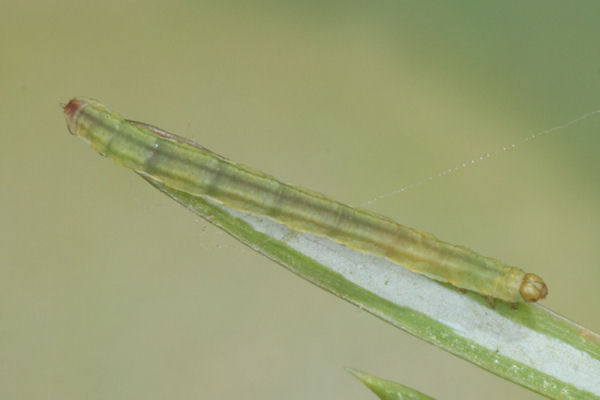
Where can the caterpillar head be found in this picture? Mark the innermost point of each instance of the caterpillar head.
(533, 288)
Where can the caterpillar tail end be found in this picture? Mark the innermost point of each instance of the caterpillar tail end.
(533, 288)
(72, 110)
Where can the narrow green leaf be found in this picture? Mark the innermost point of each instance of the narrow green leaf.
(530, 346)
(387, 390)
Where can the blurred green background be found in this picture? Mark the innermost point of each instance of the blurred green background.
(108, 290)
